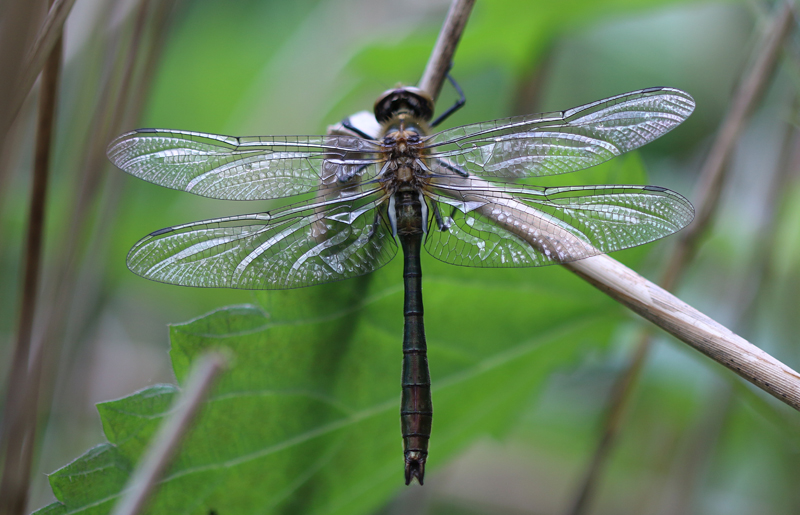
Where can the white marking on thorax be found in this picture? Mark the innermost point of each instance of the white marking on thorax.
(393, 215)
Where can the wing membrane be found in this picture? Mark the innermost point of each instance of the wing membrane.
(253, 168)
(566, 141)
(309, 243)
(514, 226)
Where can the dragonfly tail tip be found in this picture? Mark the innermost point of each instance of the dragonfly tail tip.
(415, 468)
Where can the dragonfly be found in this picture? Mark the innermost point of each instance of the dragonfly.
(455, 192)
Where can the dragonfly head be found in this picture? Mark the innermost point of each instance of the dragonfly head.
(415, 466)
(406, 99)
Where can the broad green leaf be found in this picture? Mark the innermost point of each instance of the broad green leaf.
(307, 418)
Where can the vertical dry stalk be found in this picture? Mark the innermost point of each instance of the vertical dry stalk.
(18, 25)
(22, 393)
(104, 123)
(25, 65)
(67, 291)
(710, 184)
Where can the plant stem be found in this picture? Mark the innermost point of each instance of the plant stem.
(22, 393)
(442, 54)
(34, 60)
(712, 178)
(64, 293)
(690, 466)
(170, 434)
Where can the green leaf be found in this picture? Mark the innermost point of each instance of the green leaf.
(307, 420)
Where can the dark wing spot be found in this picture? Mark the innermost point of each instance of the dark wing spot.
(162, 231)
(146, 130)
(655, 188)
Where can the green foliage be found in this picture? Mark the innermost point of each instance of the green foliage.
(307, 418)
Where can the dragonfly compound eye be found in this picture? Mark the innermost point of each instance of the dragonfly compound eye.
(405, 99)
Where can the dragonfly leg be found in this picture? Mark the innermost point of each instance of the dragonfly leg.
(345, 178)
(349, 126)
(453, 168)
(376, 223)
(462, 99)
(443, 226)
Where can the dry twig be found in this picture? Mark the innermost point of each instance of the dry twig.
(170, 434)
(22, 391)
(35, 59)
(442, 54)
(710, 184)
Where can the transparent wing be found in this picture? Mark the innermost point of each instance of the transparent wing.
(562, 142)
(487, 225)
(308, 243)
(230, 168)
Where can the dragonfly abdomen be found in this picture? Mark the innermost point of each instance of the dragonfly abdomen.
(416, 407)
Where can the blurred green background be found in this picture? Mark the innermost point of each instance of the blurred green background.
(695, 441)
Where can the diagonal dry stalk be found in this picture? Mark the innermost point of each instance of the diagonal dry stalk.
(653, 302)
(711, 180)
(170, 434)
(442, 55)
(706, 433)
(645, 298)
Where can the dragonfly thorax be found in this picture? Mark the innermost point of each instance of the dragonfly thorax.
(404, 178)
(403, 144)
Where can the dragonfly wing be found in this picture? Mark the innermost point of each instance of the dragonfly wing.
(230, 168)
(565, 141)
(305, 244)
(485, 225)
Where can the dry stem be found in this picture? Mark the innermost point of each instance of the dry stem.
(35, 60)
(710, 184)
(22, 391)
(442, 54)
(170, 434)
